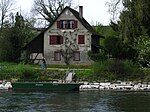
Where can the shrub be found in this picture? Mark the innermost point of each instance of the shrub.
(147, 74)
(126, 70)
(133, 71)
(117, 70)
(100, 71)
(97, 56)
(116, 67)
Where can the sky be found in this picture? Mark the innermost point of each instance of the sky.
(94, 11)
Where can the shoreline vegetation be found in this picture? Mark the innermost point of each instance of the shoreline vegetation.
(99, 72)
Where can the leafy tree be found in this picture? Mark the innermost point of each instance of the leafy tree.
(133, 19)
(13, 38)
(143, 49)
(5, 45)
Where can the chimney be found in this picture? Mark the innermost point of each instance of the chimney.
(81, 11)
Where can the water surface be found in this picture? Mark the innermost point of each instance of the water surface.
(83, 101)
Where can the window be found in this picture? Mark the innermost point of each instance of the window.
(76, 56)
(71, 24)
(81, 39)
(56, 39)
(64, 24)
(67, 24)
(57, 56)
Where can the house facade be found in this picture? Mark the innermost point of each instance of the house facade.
(66, 41)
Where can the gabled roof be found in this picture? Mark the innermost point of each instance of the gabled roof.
(76, 14)
(82, 20)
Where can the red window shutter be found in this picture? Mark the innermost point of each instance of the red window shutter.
(81, 39)
(75, 24)
(53, 39)
(58, 24)
(61, 40)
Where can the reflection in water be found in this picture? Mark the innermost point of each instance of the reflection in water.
(83, 101)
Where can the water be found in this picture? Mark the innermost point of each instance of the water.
(83, 101)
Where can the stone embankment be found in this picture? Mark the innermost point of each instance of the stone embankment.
(116, 86)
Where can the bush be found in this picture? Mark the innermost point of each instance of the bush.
(97, 56)
(133, 71)
(100, 71)
(126, 70)
(147, 74)
(117, 70)
(116, 67)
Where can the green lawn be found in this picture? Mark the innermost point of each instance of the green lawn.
(35, 72)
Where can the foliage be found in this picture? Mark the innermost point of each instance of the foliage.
(102, 56)
(19, 71)
(32, 72)
(134, 16)
(117, 49)
(5, 45)
(133, 30)
(142, 47)
(117, 70)
(147, 74)
(84, 75)
(13, 38)
(100, 71)
(126, 70)
(51, 75)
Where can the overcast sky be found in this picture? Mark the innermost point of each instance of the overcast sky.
(93, 10)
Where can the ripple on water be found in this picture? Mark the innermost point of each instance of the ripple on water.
(83, 101)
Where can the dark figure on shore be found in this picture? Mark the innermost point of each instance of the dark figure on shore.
(43, 64)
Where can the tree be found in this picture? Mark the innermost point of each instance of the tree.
(143, 49)
(5, 45)
(69, 46)
(50, 9)
(22, 33)
(133, 19)
(115, 7)
(13, 38)
(5, 8)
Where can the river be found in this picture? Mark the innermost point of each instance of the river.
(82, 101)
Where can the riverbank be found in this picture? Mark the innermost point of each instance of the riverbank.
(119, 85)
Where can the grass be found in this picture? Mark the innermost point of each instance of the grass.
(27, 71)
(96, 72)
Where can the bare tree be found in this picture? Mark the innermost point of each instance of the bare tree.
(115, 7)
(69, 46)
(50, 9)
(5, 7)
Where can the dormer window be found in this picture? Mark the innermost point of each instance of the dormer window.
(67, 24)
(71, 24)
(64, 24)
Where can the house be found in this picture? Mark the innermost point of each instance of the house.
(66, 41)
